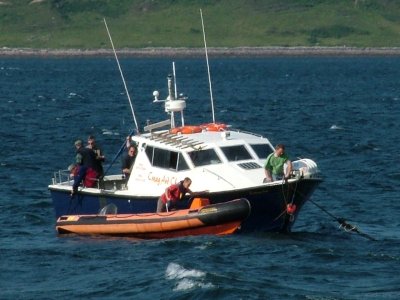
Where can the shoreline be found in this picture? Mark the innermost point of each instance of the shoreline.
(199, 52)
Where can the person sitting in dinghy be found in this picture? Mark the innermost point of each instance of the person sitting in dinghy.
(276, 163)
(173, 194)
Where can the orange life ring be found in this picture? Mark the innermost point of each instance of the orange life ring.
(175, 130)
(215, 126)
(186, 129)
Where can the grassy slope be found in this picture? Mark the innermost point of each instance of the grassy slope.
(176, 23)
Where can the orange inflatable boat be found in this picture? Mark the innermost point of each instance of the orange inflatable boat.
(200, 218)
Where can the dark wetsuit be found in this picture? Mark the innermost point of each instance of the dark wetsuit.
(99, 161)
(127, 163)
(86, 159)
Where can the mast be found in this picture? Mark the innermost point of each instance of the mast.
(123, 79)
(173, 103)
(208, 68)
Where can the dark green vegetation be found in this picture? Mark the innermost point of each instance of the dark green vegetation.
(176, 23)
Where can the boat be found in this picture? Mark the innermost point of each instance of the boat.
(200, 219)
(225, 161)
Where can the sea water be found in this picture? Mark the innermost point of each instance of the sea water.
(342, 112)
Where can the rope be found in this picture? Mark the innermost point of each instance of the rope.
(284, 199)
(347, 227)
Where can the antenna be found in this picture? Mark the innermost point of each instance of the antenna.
(176, 93)
(173, 71)
(122, 76)
(208, 67)
(173, 103)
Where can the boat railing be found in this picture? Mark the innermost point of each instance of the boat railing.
(111, 182)
(179, 141)
(246, 132)
(62, 177)
(157, 125)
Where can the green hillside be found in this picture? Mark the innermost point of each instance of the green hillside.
(176, 23)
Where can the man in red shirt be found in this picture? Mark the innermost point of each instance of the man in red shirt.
(79, 174)
(173, 194)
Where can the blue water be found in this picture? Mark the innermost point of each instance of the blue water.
(342, 112)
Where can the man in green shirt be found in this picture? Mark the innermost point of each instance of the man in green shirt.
(274, 166)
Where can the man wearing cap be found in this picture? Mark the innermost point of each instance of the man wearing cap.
(84, 156)
(86, 160)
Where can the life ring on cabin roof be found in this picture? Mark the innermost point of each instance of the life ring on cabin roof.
(214, 127)
(186, 129)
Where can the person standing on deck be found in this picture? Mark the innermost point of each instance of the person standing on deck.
(274, 166)
(89, 178)
(100, 158)
(128, 161)
(86, 159)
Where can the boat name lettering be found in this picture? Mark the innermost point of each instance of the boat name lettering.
(166, 180)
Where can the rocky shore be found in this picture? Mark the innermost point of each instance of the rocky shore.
(195, 52)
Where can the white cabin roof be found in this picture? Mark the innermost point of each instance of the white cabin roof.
(201, 140)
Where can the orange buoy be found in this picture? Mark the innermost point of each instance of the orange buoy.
(291, 208)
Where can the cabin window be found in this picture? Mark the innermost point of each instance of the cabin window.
(262, 150)
(182, 164)
(149, 153)
(166, 159)
(204, 157)
(235, 153)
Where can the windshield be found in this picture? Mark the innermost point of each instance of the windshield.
(204, 157)
(262, 150)
(235, 153)
(166, 159)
